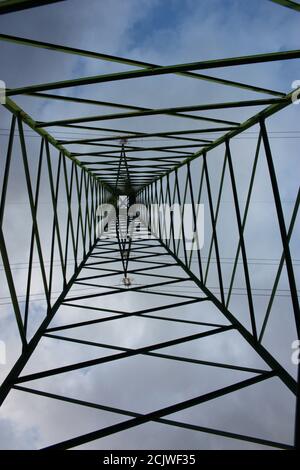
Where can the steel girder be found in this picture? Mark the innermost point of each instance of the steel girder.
(288, 3)
(12, 6)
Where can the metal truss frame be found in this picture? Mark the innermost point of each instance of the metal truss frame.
(288, 3)
(143, 173)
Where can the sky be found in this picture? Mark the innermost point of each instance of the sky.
(162, 32)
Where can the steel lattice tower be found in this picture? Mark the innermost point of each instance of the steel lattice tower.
(147, 174)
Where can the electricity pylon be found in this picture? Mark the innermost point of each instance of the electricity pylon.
(149, 262)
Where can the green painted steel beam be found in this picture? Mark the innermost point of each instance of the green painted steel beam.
(12, 6)
(265, 113)
(154, 112)
(288, 3)
(171, 157)
(144, 162)
(157, 71)
(134, 135)
(116, 153)
(284, 375)
(98, 103)
(160, 413)
(115, 105)
(28, 351)
(97, 142)
(86, 101)
(149, 149)
(171, 111)
(11, 106)
(104, 129)
(134, 63)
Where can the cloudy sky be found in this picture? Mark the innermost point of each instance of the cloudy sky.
(161, 32)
